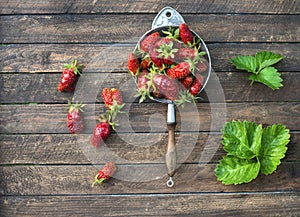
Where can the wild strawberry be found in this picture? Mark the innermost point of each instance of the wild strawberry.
(100, 133)
(69, 77)
(133, 64)
(143, 80)
(109, 95)
(154, 56)
(180, 71)
(113, 101)
(145, 64)
(187, 81)
(197, 84)
(149, 41)
(105, 173)
(186, 53)
(163, 41)
(185, 33)
(166, 86)
(75, 119)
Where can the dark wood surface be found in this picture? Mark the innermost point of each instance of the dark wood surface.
(45, 171)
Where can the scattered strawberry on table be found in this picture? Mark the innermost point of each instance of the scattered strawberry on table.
(105, 173)
(109, 95)
(75, 118)
(69, 77)
(114, 103)
(169, 63)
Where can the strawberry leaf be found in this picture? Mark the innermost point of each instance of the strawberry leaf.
(268, 76)
(274, 141)
(266, 58)
(242, 139)
(260, 66)
(233, 170)
(247, 63)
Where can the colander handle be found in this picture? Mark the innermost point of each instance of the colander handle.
(171, 155)
(167, 17)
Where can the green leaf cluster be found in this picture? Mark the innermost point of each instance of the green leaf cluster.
(250, 149)
(260, 65)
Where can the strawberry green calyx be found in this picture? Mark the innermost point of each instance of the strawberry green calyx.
(98, 180)
(193, 62)
(105, 173)
(111, 114)
(171, 33)
(115, 109)
(185, 97)
(75, 66)
(75, 107)
(167, 51)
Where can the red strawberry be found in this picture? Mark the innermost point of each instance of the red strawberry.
(109, 95)
(180, 71)
(75, 119)
(105, 173)
(133, 64)
(149, 41)
(142, 80)
(69, 77)
(145, 64)
(187, 81)
(186, 53)
(166, 86)
(202, 66)
(100, 133)
(185, 33)
(197, 85)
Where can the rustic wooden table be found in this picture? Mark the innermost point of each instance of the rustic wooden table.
(45, 171)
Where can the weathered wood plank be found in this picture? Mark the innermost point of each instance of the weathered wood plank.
(139, 148)
(43, 58)
(192, 204)
(151, 6)
(137, 178)
(42, 88)
(148, 117)
(35, 58)
(128, 28)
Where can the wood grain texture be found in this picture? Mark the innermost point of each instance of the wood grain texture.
(191, 204)
(137, 179)
(151, 6)
(148, 117)
(42, 88)
(128, 28)
(138, 148)
(44, 58)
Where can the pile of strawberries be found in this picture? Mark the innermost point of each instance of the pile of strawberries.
(169, 63)
(113, 101)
